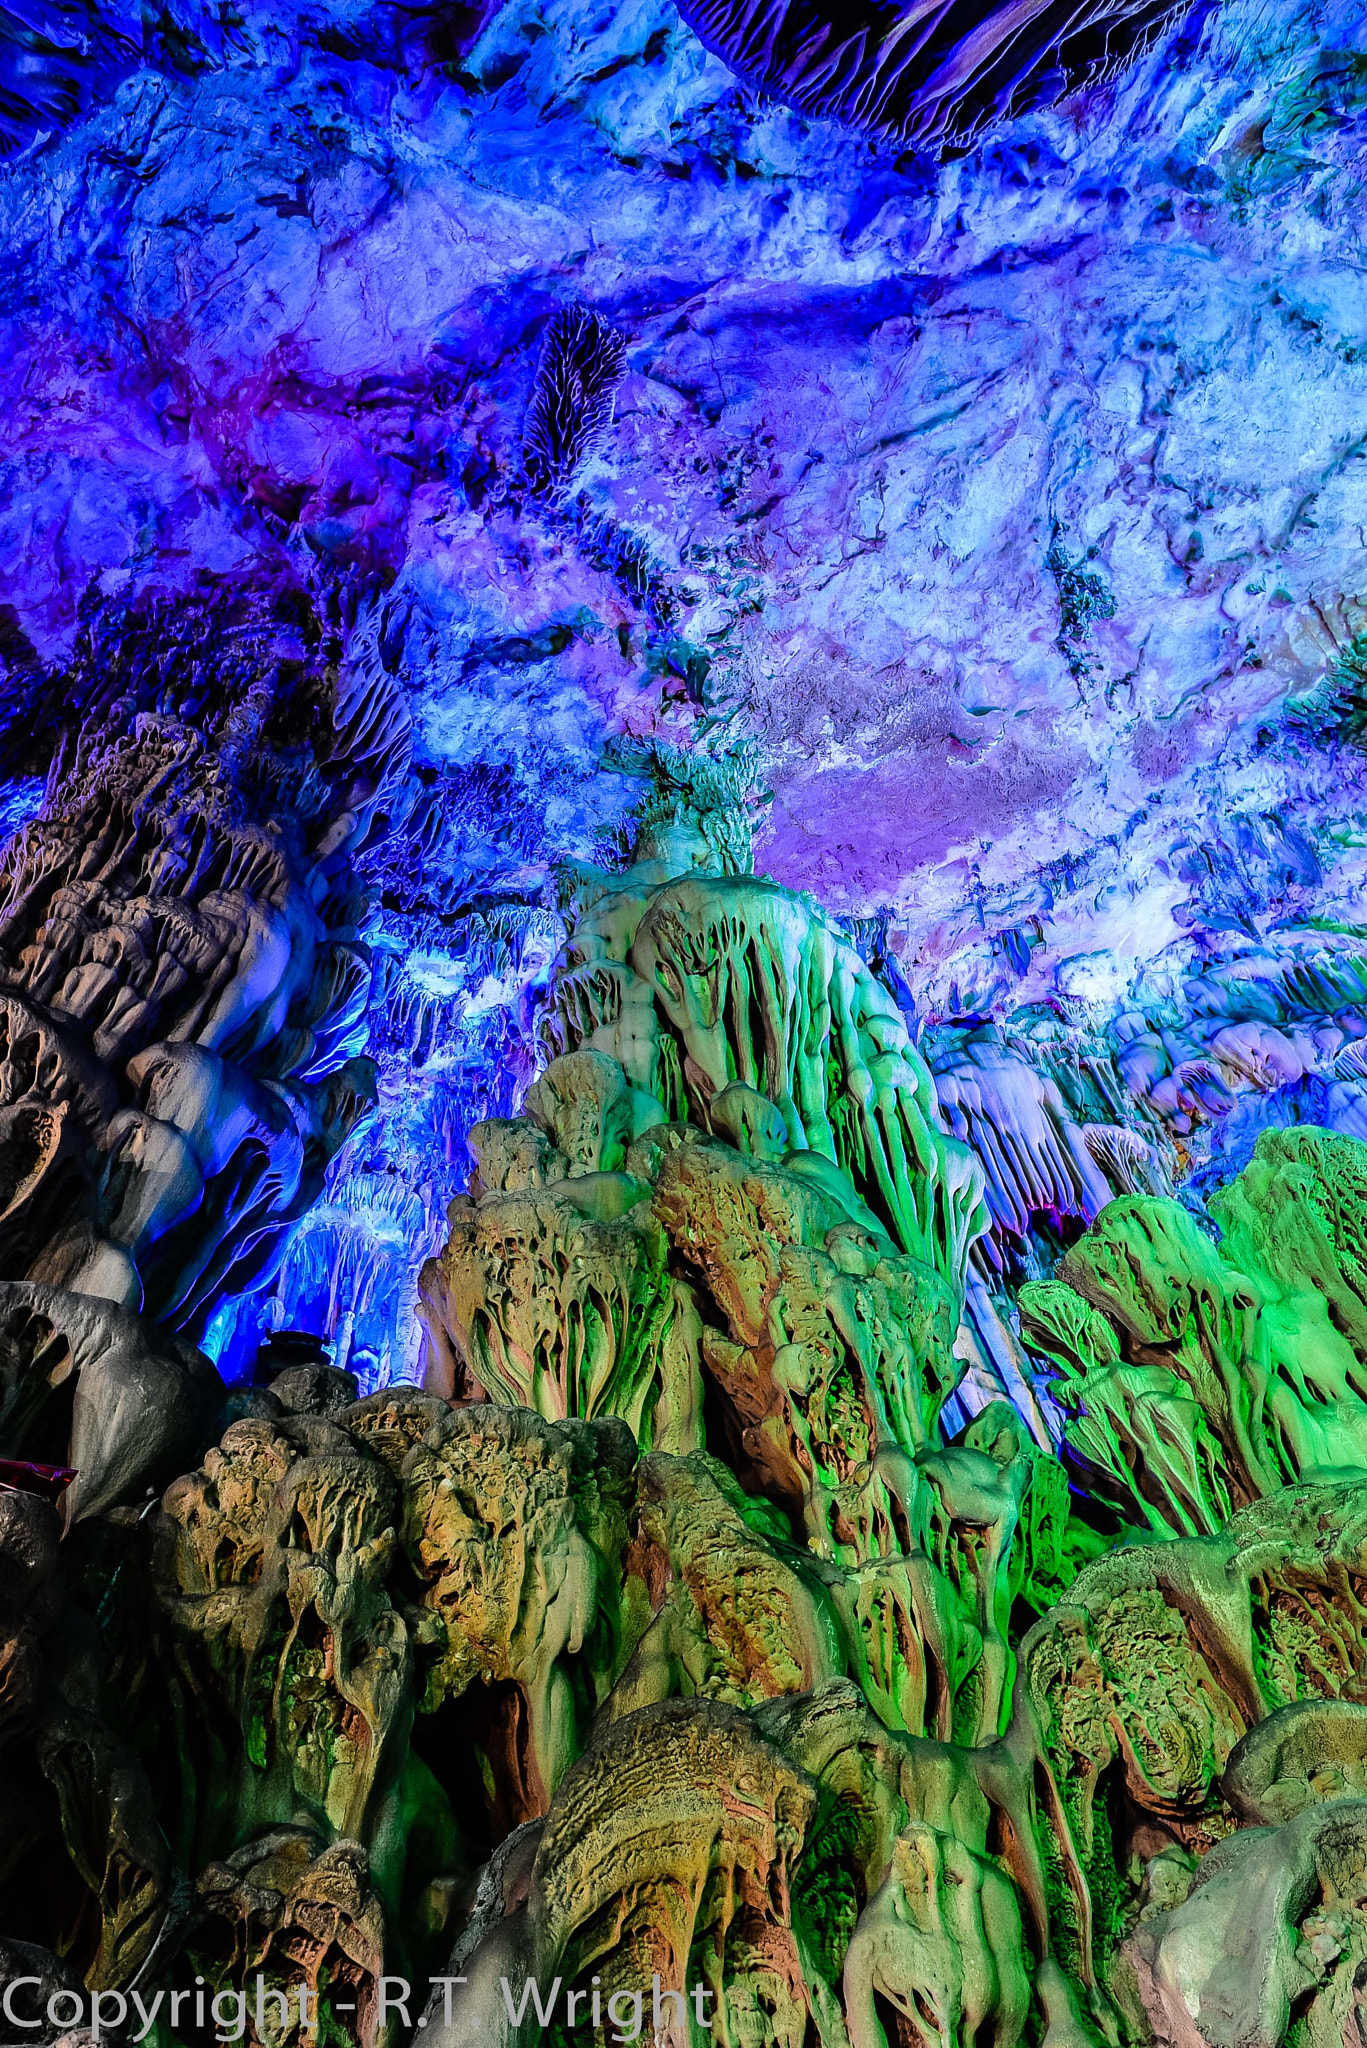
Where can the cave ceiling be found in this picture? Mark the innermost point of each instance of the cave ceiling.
(683, 1017)
(999, 502)
(1003, 504)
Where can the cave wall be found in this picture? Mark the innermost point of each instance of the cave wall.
(683, 1025)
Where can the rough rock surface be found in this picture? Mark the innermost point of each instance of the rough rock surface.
(1009, 505)
(683, 1026)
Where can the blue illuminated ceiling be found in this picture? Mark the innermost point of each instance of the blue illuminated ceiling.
(1005, 511)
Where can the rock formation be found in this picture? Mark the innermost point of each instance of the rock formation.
(597, 1444)
(921, 76)
(668, 1654)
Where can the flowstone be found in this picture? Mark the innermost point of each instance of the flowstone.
(1199, 1376)
(703, 1652)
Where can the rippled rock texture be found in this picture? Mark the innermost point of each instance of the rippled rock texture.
(700, 1632)
(921, 74)
(683, 1024)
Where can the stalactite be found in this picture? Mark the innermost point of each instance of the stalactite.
(683, 1025)
(916, 75)
(685, 1588)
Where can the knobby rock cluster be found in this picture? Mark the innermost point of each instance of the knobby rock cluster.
(681, 1629)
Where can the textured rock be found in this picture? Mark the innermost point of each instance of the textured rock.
(915, 76)
(1256, 1343)
(878, 1554)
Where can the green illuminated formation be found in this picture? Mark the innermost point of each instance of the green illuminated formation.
(1197, 1376)
(698, 1627)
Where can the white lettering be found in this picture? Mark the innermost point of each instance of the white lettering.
(238, 2015)
(230, 2009)
(282, 2007)
(530, 1990)
(635, 2003)
(9, 2011)
(399, 2003)
(98, 2000)
(148, 2015)
(448, 1985)
(657, 1998)
(65, 2026)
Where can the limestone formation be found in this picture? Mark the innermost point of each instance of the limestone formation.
(82, 1375)
(153, 929)
(696, 980)
(182, 998)
(1038, 1159)
(921, 80)
(1201, 1375)
(275, 1557)
(705, 1650)
(303, 1924)
(515, 1529)
(683, 1024)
